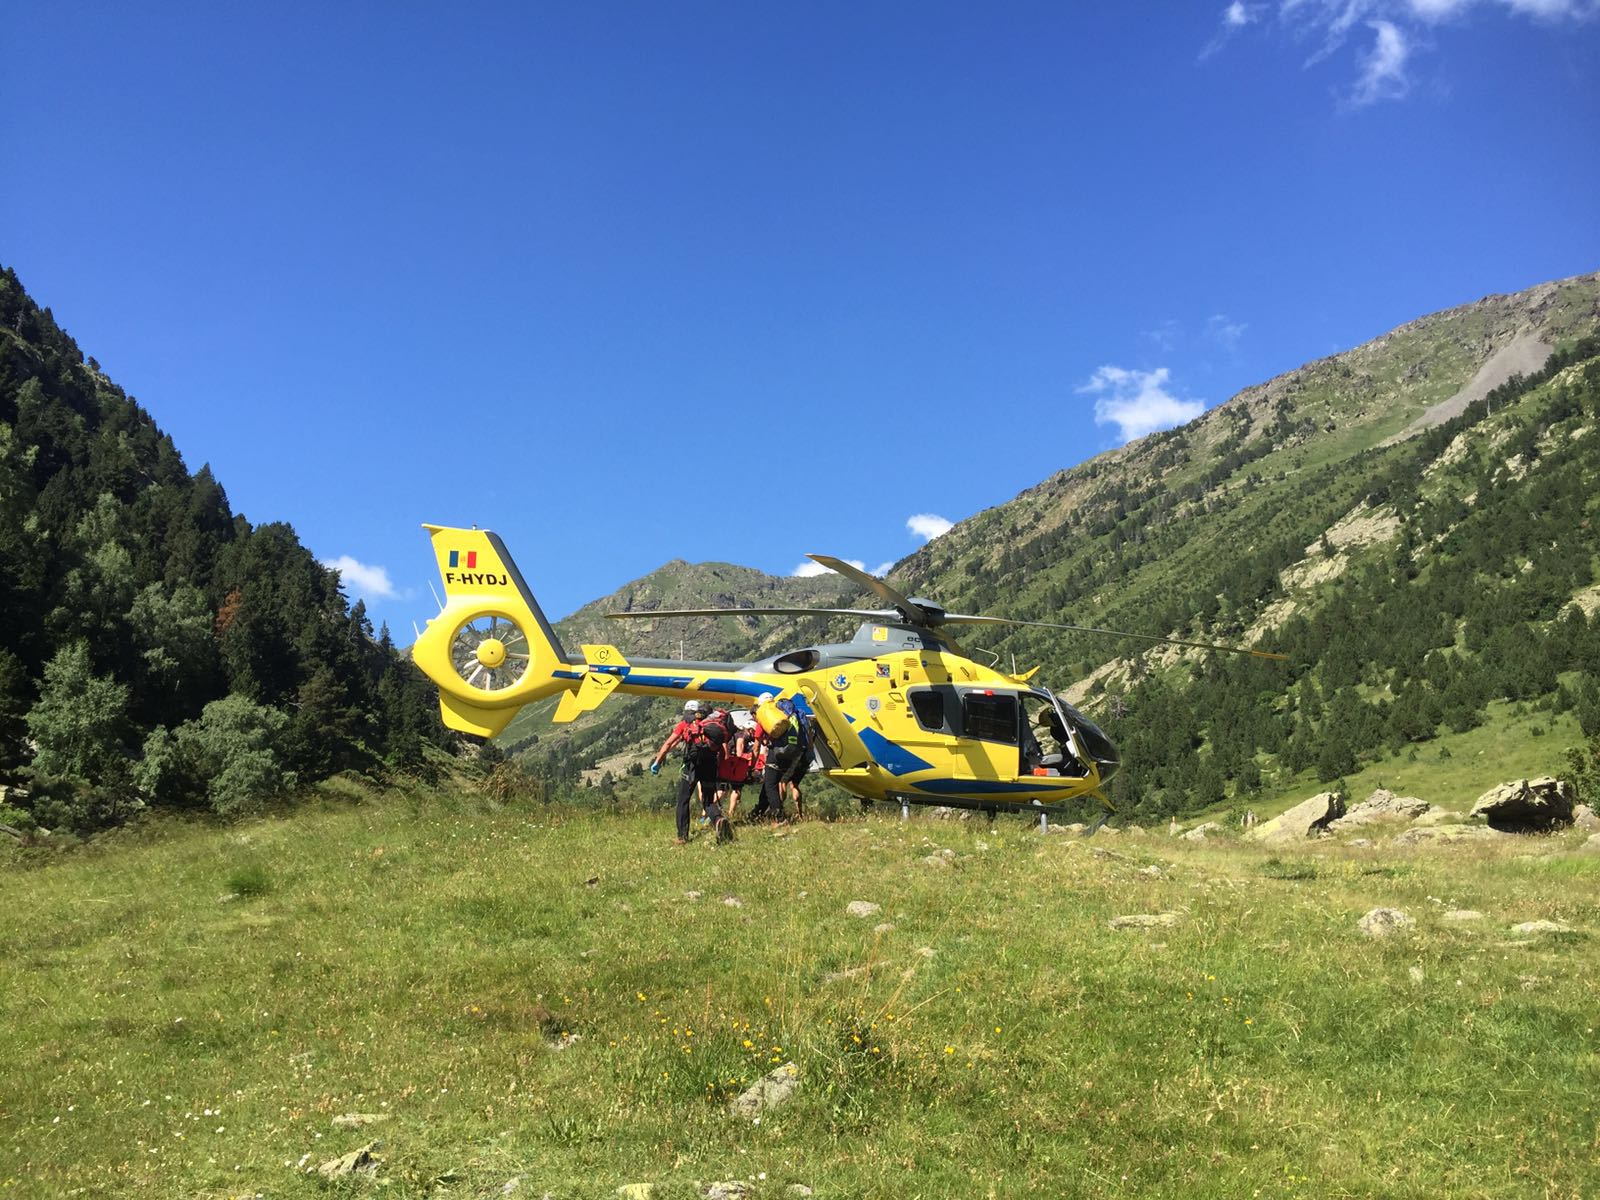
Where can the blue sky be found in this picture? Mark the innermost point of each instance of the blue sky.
(634, 282)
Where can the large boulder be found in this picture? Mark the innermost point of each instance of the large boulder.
(1305, 819)
(1527, 805)
(1584, 819)
(1383, 806)
(1202, 831)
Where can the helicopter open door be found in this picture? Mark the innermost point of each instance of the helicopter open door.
(1083, 742)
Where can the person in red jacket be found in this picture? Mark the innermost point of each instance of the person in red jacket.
(700, 757)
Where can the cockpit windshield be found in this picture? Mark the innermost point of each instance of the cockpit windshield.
(1090, 738)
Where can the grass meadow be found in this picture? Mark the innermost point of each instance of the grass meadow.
(557, 1001)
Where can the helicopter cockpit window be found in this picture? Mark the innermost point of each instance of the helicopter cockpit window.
(991, 717)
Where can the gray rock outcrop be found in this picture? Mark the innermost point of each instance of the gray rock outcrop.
(1201, 832)
(1527, 805)
(1382, 807)
(862, 908)
(1447, 835)
(1306, 819)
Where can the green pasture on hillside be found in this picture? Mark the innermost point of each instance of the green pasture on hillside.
(188, 1008)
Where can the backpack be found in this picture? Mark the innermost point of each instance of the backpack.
(714, 730)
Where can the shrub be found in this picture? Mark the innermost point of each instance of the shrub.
(228, 760)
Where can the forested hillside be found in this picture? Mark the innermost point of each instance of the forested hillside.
(156, 647)
(1413, 522)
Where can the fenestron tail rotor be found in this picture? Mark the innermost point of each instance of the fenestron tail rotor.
(490, 652)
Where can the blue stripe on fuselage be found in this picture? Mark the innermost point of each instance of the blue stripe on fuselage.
(894, 758)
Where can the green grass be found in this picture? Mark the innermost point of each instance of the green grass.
(1451, 771)
(420, 957)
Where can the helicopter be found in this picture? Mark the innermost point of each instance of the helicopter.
(899, 713)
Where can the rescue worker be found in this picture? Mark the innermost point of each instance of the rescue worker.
(699, 768)
(786, 763)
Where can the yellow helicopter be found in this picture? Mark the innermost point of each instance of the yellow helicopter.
(899, 713)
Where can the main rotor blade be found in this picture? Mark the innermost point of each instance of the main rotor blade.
(951, 618)
(871, 614)
(876, 586)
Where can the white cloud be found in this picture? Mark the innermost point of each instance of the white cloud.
(1137, 402)
(1400, 28)
(371, 583)
(1383, 70)
(809, 569)
(928, 526)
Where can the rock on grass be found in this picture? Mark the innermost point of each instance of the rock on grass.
(862, 908)
(1164, 920)
(1541, 927)
(1306, 819)
(1381, 922)
(357, 1162)
(772, 1089)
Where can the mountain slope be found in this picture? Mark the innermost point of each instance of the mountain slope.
(135, 599)
(1410, 547)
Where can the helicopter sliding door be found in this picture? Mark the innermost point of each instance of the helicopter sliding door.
(990, 724)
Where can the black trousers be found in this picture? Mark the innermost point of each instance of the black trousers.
(771, 795)
(699, 771)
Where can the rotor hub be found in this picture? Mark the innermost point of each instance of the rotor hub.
(491, 652)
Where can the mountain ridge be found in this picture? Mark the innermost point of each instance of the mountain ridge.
(1262, 517)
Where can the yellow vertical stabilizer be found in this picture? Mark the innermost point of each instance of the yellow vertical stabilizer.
(491, 650)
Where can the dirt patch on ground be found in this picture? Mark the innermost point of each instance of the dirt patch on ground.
(1115, 671)
(1309, 572)
(1273, 616)
(1361, 526)
(1588, 599)
(1523, 355)
(618, 764)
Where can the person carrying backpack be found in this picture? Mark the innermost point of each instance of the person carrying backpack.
(701, 752)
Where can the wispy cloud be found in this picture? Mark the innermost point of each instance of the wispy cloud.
(928, 526)
(368, 582)
(1137, 402)
(1225, 331)
(1383, 68)
(1234, 17)
(1398, 28)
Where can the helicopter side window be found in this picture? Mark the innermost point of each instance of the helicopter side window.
(928, 706)
(991, 718)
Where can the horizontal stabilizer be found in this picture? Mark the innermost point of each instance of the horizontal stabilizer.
(590, 693)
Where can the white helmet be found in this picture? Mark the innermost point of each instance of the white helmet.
(691, 706)
(764, 698)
